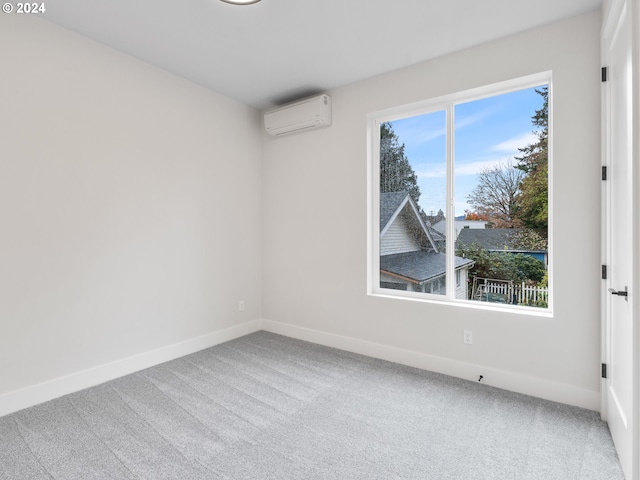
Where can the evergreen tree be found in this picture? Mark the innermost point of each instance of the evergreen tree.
(533, 200)
(396, 173)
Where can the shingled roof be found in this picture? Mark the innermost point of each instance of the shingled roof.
(415, 266)
(494, 239)
(419, 266)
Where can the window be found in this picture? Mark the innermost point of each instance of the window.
(459, 197)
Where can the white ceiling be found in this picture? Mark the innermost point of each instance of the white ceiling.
(278, 50)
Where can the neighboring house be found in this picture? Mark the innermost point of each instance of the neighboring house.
(499, 240)
(460, 224)
(411, 253)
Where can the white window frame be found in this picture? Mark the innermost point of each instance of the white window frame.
(447, 103)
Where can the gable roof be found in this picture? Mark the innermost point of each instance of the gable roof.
(415, 266)
(392, 204)
(494, 239)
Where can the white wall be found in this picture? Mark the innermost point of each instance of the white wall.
(136, 208)
(129, 210)
(315, 232)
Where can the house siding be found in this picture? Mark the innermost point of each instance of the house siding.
(388, 279)
(460, 225)
(462, 289)
(397, 239)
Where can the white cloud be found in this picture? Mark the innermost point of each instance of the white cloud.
(421, 129)
(468, 120)
(513, 144)
(420, 136)
(414, 132)
(474, 168)
(439, 172)
(471, 168)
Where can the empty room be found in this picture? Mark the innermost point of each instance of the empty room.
(321, 239)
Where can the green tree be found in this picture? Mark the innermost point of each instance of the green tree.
(527, 268)
(515, 267)
(533, 200)
(487, 264)
(527, 239)
(396, 173)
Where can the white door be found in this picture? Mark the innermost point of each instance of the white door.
(619, 329)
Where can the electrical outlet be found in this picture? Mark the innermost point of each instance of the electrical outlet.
(241, 305)
(468, 337)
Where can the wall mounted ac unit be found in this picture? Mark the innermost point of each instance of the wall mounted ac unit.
(302, 115)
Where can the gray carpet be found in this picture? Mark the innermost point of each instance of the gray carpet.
(270, 407)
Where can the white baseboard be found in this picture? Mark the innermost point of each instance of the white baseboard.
(57, 387)
(538, 387)
(507, 380)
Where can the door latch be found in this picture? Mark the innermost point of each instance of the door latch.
(622, 293)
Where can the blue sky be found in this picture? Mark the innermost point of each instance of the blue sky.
(487, 132)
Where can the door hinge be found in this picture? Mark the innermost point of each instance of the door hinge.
(604, 172)
(604, 370)
(604, 74)
(604, 272)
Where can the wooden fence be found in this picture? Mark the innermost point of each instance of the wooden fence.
(518, 294)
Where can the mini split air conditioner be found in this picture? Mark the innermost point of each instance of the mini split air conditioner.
(305, 114)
